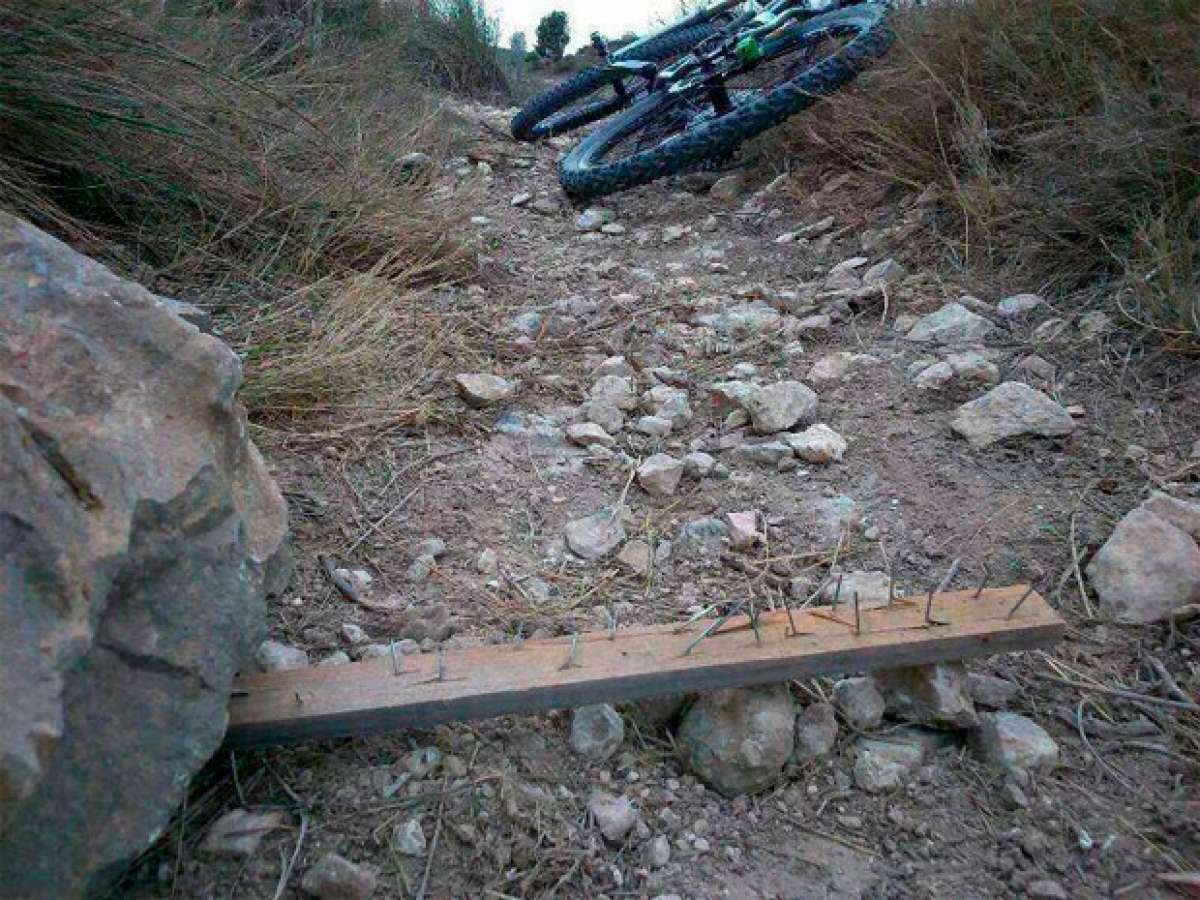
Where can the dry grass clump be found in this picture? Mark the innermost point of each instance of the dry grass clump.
(1064, 136)
(249, 160)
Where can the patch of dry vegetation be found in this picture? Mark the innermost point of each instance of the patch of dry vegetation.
(249, 158)
(1064, 137)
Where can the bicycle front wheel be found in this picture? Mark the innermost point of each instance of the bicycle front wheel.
(674, 131)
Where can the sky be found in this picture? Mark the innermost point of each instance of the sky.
(612, 18)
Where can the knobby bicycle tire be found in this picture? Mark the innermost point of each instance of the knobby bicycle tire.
(530, 124)
(584, 177)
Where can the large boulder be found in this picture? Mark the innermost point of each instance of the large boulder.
(1150, 565)
(139, 534)
(738, 740)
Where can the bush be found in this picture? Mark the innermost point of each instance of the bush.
(1064, 136)
(184, 152)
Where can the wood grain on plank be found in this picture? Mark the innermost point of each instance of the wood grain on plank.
(383, 694)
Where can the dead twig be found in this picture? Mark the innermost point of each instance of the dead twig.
(1105, 764)
(286, 874)
(1120, 693)
(433, 844)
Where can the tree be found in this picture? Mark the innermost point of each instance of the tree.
(516, 44)
(553, 35)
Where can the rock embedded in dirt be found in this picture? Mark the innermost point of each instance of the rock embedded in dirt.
(615, 390)
(702, 534)
(421, 568)
(1019, 305)
(728, 188)
(743, 529)
(871, 587)
(433, 546)
(739, 740)
(1045, 889)
(829, 518)
(587, 433)
(887, 272)
(336, 878)
(936, 695)
(744, 320)
(336, 658)
(615, 816)
(488, 562)
(353, 634)
(881, 764)
(637, 556)
(1095, 324)
(952, 324)
(657, 852)
(698, 464)
(860, 702)
(480, 389)
(596, 536)
(990, 691)
(972, 367)
(769, 453)
(412, 163)
(659, 476)
(812, 324)
(139, 534)
(597, 731)
(1009, 410)
(779, 406)
(1150, 564)
(274, 656)
(425, 623)
(653, 426)
(520, 199)
(594, 218)
(840, 365)
(818, 444)
(670, 403)
(237, 833)
(408, 838)
(1012, 741)
(614, 365)
(816, 732)
(934, 377)
(607, 415)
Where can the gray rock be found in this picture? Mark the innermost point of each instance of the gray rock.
(1008, 410)
(604, 414)
(237, 833)
(818, 444)
(839, 365)
(657, 853)
(745, 320)
(1011, 741)
(973, 367)
(860, 702)
(615, 390)
(1150, 565)
(421, 568)
(728, 188)
(637, 556)
(139, 534)
(1045, 889)
(698, 464)
(594, 218)
(670, 403)
(596, 536)
(273, 656)
(597, 731)
(615, 816)
(816, 732)
(1050, 332)
(883, 763)
(952, 324)
(425, 623)
(412, 163)
(935, 695)
(739, 740)
(587, 433)
(1095, 324)
(408, 838)
(353, 634)
(990, 691)
(768, 454)
(871, 587)
(829, 517)
(481, 389)
(779, 406)
(653, 426)
(546, 206)
(887, 272)
(336, 658)
(660, 475)
(336, 878)
(614, 365)
(934, 377)
(488, 562)
(520, 199)
(1018, 305)
(434, 547)
(809, 324)
(699, 534)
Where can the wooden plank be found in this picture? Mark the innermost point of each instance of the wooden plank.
(378, 695)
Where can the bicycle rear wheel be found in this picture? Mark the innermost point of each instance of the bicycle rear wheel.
(592, 94)
(673, 131)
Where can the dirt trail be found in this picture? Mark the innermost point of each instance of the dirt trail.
(909, 491)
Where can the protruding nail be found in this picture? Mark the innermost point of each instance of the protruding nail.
(1012, 612)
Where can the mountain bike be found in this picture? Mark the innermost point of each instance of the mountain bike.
(753, 68)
